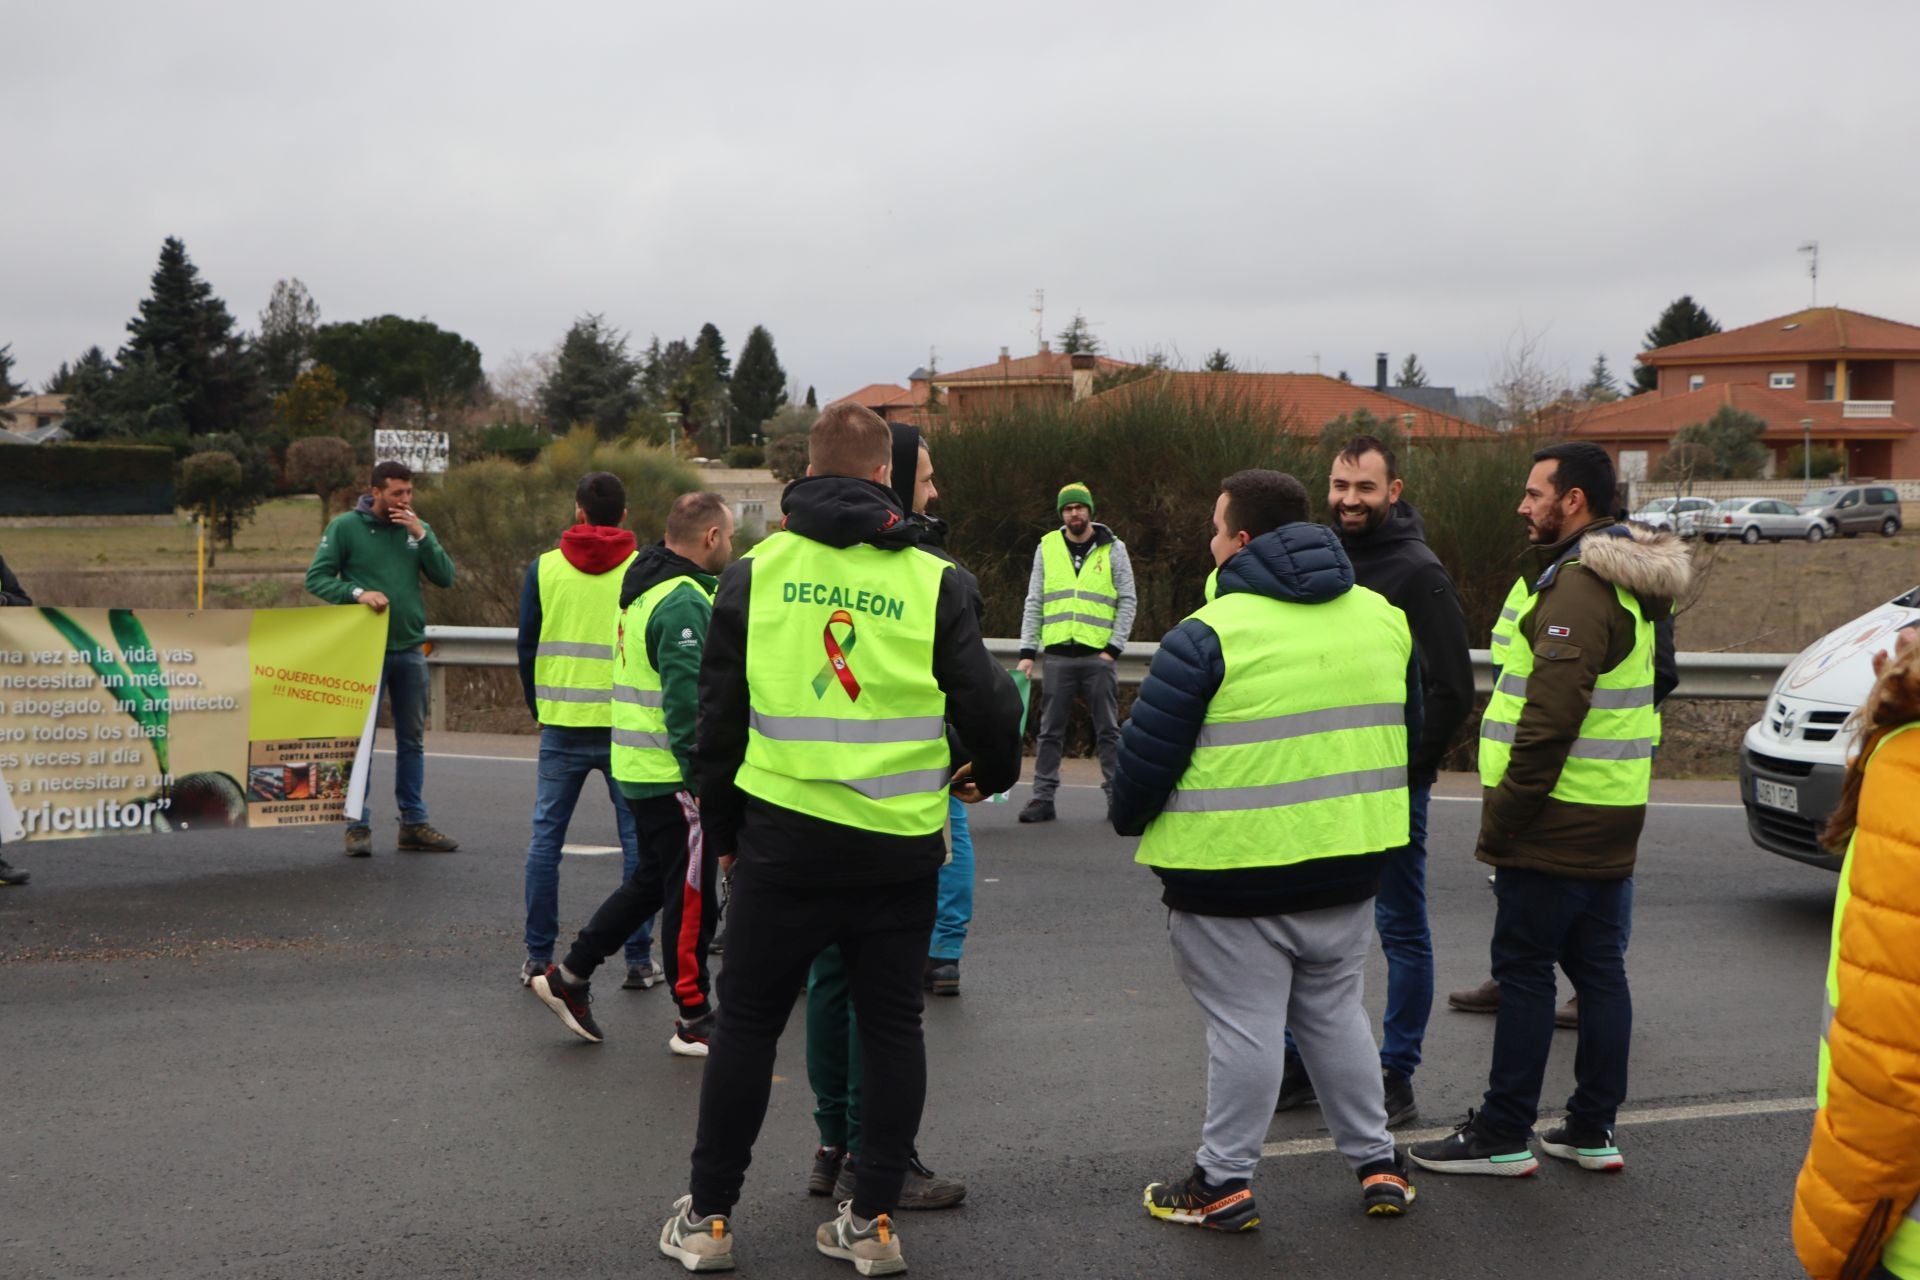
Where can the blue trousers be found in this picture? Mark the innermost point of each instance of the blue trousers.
(954, 907)
(403, 678)
(567, 756)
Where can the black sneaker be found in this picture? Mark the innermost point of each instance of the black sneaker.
(643, 976)
(1589, 1148)
(1386, 1193)
(10, 874)
(1196, 1202)
(925, 1189)
(691, 1036)
(1401, 1108)
(826, 1170)
(1037, 811)
(572, 1003)
(1468, 1150)
(1296, 1090)
(943, 976)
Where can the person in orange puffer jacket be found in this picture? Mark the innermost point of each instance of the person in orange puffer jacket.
(1854, 1210)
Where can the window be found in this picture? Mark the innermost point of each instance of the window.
(1783, 381)
(1696, 381)
(1884, 497)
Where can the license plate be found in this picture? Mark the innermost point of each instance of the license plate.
(1776, 796)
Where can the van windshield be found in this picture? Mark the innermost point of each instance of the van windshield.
(1821, 497)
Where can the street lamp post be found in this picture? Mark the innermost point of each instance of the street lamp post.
(1806, 450)
(673, 424)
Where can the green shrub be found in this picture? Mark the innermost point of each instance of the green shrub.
(494, 516)
(517, 441)
(85, 479)
(787, 457)
(746, 457)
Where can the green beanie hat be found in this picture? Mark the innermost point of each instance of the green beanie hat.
(1075, 492)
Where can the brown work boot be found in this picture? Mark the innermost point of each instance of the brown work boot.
(1484, 998)
(359, 841)
(420, 837)
(1567, 1016)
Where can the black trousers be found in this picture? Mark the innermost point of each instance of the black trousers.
(774, 931)
(674, 877)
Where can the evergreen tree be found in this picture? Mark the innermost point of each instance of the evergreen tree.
(1411, 374)
(61, 382)
(287, 326)
(1078, 337)
(708, 398)
(1601, 387)
(9, 389)
(388, 364)
(185, 330)
(1219, 361)
(759, 383)
(1682, 321)
(137, 399)
(813, 401)
(1731, 443)
(593, 380)
(311, 406)
(713, 348)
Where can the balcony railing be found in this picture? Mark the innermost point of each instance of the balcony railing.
(1866, 409)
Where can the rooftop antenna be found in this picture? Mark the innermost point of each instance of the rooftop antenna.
(1316, 360)
(1039, 309)
(1812, 249)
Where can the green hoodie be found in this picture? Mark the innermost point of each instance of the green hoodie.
(360, 550)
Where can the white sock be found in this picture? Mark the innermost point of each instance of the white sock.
(569, 977)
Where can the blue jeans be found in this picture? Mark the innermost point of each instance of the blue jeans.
(1400, 916)
(1581, 925)
(954, 907)
(567, 756)
(403, 678)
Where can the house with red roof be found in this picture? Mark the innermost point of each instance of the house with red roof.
(1046, 377)
(1835, 377)
(1307, 401)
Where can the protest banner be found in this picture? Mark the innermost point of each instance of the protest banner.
(121, 722)
(425, 452)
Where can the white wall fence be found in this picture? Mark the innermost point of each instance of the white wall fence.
(1644, 491)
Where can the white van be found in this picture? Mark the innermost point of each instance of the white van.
(1792, 763)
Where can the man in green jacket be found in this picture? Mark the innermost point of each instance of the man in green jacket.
(375, 555)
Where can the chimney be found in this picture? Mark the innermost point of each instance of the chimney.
(1046, 348)
(1380, 371)
(1085, 364)
(1003, 361)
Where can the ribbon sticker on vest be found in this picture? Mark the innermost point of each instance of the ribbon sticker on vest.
(837, 651)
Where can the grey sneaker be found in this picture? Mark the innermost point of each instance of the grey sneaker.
(874, 1250)
(420, 837)
(923, 1188)
(359, 841)
(698, 1244)
(643, 976)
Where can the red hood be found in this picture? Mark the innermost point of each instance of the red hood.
(596, 548)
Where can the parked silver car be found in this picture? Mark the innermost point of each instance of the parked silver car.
(1752, 519)
(1674, 514)
(1854, 509)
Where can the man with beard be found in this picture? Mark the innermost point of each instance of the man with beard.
(1566, 757)
(1080, 607)
(1386, 541)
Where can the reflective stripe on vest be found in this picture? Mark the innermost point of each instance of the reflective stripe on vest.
(1076, 608)
(642, 751)
(1902, 1254)
(573, 662)
(1303, 753)
(1611, 759)
(846, 722)
(1503, 626)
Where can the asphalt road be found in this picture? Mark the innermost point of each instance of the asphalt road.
(246, 1056)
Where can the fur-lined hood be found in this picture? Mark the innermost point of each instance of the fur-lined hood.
(1653, 564)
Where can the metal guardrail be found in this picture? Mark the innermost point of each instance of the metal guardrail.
(1715, 676)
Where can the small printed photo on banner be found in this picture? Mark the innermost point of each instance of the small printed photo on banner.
(298, 781)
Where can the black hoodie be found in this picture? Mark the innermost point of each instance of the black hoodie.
(983, 707)
(1395, 561)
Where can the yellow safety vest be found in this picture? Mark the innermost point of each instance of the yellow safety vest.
(1509, 619)
(1611, 761)
(573, 664)
(847, 723)
(642, 751)
(1303, 753)
(1076, 608)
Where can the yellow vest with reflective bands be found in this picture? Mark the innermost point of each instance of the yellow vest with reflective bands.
(1509, 619)
(1303, 753)
(1611, 761)
(847, 723)
(642, 751)
(1076, 608)
(573, 664)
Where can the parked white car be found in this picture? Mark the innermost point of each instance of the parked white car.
(1794, 761)
(1756, 519)
(1672, 514)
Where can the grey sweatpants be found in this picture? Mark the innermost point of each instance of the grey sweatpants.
(1060, 678)
(1253, 977)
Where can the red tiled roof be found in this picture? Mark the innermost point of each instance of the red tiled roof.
(881, 395)
(1312, 399)
(1658, 417)
(1044, 364)
(1817, 331)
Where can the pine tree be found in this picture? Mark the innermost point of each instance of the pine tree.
(186, 331)
(1601, 387)
(813, 401)
(1411, 374)
(1078, 337)
(1682, 321)
(594, 380)
(9, 389)
(286, 334)
(708, 395)
(1219, 361)
(759, 383)
(390, 364)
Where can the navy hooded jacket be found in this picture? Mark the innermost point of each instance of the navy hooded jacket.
(1302, 563)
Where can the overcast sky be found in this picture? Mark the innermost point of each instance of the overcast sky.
(871, 181)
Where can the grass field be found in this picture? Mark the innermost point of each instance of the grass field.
(281, 537)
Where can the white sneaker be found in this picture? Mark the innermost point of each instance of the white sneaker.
(874, 1251)
(698, 1244)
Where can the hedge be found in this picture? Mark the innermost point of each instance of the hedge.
(85, 480)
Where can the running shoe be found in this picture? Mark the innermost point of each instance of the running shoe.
(1196, 1202)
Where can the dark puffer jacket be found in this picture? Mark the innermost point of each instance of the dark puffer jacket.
(1302, 563)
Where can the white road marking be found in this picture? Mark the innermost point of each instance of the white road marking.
(1648, 1115)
